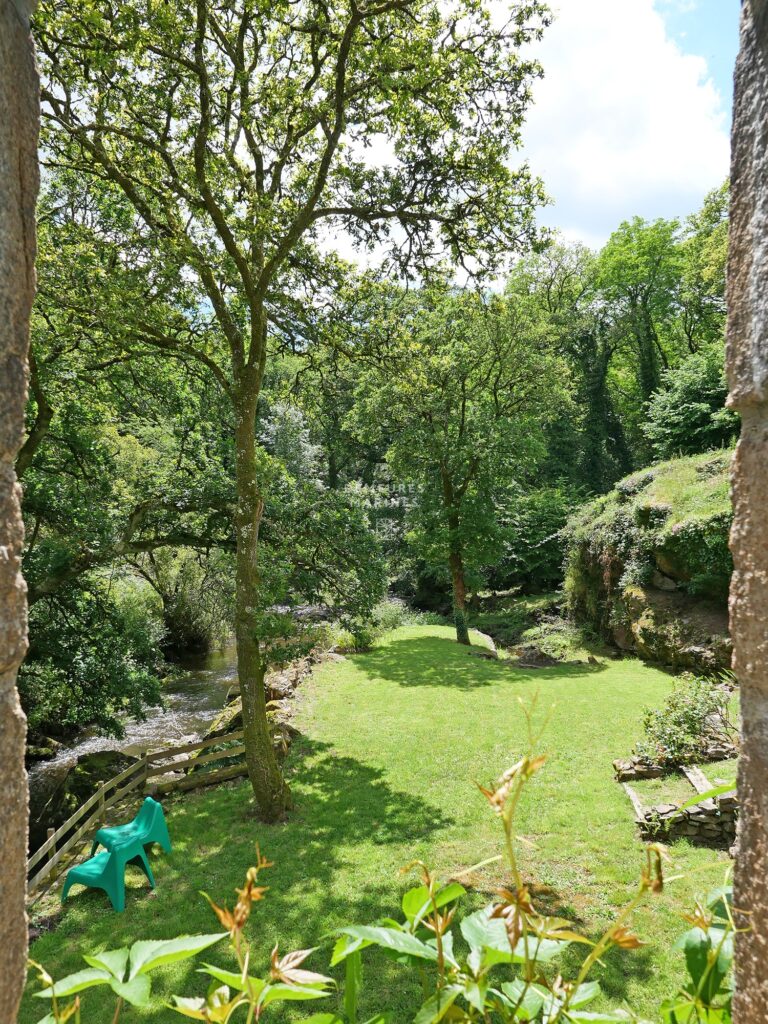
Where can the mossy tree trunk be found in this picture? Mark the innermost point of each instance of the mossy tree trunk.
(458, 582)
(269, 787)
(455, 553)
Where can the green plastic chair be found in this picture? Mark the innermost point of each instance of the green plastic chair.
(107, 871)
(147, 827)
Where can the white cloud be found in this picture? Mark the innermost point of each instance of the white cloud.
(624, 122)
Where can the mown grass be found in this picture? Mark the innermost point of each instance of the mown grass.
(673, 788)
(392, 744)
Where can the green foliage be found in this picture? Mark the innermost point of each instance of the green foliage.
(696, 712)
(462, 397)
(359, 634)
(94, 658)
(674, 517)
(125, 971)
(688, 415)
(508, 616)
(196, 591)
(506, 967)
(533, 542)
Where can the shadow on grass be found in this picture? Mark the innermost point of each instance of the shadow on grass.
(346, 814)
(620, 970)
(440, 661)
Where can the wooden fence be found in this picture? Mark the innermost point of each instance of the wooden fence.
(45, 864)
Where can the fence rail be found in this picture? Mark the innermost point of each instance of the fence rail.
(42, 865)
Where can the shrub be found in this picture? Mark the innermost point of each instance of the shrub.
(533, 543)
(696, 712)
(94, 658)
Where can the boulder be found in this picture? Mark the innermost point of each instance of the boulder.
(63, 788)
(531, 656)
(228, 719)
(662, 582)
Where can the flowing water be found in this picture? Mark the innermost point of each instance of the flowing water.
(192, 699)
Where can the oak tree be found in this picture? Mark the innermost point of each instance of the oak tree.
(240, 131)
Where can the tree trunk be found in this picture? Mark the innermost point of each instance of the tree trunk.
(456, 564)
(748, 377)
(271, 792)
(19, 113)
(455, 557)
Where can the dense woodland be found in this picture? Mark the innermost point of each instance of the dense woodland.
(229, 419)
(432, 440)
(309, 379)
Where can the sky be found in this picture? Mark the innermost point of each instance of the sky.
(633, 113)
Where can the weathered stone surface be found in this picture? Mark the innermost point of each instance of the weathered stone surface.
(69, 787)
(531, 656)
(662, 582)
(228, 719)
(19, 113)
(671, 628)
(748, 379)
(636, 768)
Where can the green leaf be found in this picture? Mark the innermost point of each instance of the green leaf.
(585, 994)
(448, 953)
(352, 984)
(390, 938)
(146, 955)
(475, 992)
(417, 902)
(113, 960)
(720, 900)
(234, 979)
(281, 992)
(323, 1018)
(47, 1019)
(538, 950)
(676, 1011)
(487, 936)
(528, 999)
(344, 946)
(414, 901)
(438, 1005)
(136, 991)
(708, 972)
(75, 983)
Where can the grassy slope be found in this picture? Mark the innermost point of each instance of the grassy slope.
(392, 742)
(691, 489)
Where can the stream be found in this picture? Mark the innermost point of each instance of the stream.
(192, 699)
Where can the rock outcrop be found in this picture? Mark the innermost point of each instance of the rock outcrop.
(69, 785)
(648, 565)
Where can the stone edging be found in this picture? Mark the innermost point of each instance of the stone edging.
(711, 822)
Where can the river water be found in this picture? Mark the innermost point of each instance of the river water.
(192, 700)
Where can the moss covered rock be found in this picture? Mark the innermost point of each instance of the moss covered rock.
(648, 565)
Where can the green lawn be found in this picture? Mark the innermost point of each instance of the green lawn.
(392, 743)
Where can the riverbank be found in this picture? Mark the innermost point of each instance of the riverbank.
(192, 698)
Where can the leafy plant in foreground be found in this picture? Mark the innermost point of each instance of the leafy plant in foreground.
(500, 971)
(126, 971)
